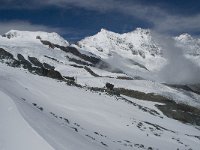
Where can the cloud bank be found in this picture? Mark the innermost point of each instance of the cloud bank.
(24, 26)
(179, 69)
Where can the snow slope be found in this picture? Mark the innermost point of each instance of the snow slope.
(73, 118)
(26, 44)
(145, 86)
(16, 133)
(54, 115)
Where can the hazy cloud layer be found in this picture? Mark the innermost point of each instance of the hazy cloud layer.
(24, 26)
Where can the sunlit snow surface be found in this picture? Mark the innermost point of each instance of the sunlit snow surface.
(101, 121)
(42, 113)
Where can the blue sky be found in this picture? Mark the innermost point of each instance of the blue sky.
(75, 19)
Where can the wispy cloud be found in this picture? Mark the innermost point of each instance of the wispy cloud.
(178, 23)
(24, 25)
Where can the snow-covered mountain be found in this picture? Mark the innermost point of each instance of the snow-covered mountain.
(138, 42)
(189, 44)
(59, 96)
(16, 35)
(135, 50)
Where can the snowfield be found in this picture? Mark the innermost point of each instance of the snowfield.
(63, 117)
(16, 133)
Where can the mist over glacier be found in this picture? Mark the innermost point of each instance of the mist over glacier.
(179, 69)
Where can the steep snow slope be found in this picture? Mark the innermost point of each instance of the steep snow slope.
(26, 44)
(73, 118)
(16, 133)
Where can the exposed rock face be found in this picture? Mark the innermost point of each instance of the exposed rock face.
(48, 43)
(5, 55)
(47, 66)
(26, 64)
(91, 72)
(39, 69)
(195, 88)
(8, 58)
(74, 51)
(181, 112)
(79, 62)
(54, 74)
(171, 109)
(35, 61)
(70, 78)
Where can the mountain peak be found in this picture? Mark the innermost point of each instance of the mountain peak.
(103, 30)
(142, 31)
(136, 43)
(189, 44)
(184, 37)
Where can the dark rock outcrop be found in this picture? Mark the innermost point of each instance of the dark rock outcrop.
(178, 111)
(35, 61)
(124, 78)
(25, 63)
(47, 66)
(51, 45)
(195, 88)
(79, 61)
(72, 50)
(47, 73)
(109, 86)
(91, 72)
(4, 56)
(70, 78)
(54, 74)
(51, 58)
(41, 70)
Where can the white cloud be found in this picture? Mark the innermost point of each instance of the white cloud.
(178, 23)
